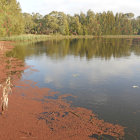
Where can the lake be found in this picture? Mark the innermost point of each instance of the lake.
(103, 74)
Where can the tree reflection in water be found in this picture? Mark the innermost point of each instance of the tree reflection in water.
(89, 48)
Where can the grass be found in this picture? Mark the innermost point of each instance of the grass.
(25, 38)
(31, 37)
(120, 36)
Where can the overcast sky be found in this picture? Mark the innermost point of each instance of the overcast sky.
(76, 6)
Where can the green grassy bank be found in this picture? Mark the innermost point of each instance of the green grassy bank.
(120, 36)
(31, 37)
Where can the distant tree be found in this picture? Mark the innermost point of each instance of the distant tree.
(63, 23)
(29, 23)
(138, 25)
(75, 25)
(128, 15)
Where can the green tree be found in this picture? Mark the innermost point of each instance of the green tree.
(11, 20)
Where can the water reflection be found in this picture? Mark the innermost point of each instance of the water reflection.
(59, 49)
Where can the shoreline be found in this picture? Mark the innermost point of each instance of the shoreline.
(32, 37)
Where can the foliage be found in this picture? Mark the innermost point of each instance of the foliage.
(13, 22)
(105, 23)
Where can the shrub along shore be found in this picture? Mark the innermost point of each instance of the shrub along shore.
(32, 37)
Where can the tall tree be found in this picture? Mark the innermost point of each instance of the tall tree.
(11, 19)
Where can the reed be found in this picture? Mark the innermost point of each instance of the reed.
(25, 38)
(6, 91)
(32, 37)
(120, 36)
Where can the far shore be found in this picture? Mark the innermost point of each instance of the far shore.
(33, 37)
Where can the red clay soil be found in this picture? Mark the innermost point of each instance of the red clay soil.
(31, 115)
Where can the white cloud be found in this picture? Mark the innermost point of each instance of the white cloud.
(76, 6)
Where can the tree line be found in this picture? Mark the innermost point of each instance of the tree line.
(13, 21)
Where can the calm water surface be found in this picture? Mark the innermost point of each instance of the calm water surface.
(100, 72)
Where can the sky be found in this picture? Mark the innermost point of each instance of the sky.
(76, 6)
